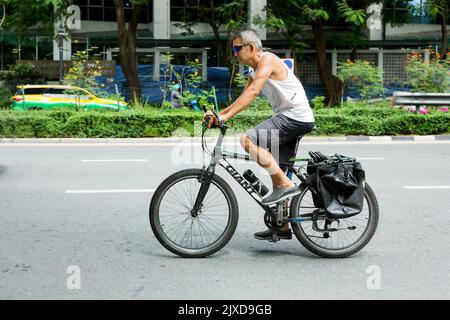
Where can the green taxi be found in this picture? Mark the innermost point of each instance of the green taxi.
(39, 97)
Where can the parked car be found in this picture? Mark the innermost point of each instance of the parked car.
(38, 97)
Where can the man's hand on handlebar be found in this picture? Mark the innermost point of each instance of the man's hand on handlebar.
(209, 119)
(212, 119)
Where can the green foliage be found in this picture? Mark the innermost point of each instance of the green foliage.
(239, 81)
(84, 73)
(230, 15)
(363, 76)
(234, 13)
(439, 7)
(431, 76)
(22, 73)
(193, 80)
(22, 15)
(318, 102)
(349, 119)
(288, 20)
(5, 97)
(259, 104)
(356, 17)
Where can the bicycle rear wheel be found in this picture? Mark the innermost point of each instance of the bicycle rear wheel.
(187, 235)
(352, 233)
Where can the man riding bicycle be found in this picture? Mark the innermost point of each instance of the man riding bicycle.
(271, 143)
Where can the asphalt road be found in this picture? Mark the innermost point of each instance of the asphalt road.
(74, 225)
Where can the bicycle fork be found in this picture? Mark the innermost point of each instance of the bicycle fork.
(205, 179)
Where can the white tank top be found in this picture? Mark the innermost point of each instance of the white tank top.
(287, 96)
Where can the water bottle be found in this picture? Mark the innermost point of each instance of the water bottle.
(255, 182)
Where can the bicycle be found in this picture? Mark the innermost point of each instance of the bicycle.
(194, 212)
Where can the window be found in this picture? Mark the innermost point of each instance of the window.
(182, 10)
(53, 91)
(105, 10)
(34, 91)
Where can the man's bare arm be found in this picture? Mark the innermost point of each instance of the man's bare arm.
(249, 82)
(263, 72)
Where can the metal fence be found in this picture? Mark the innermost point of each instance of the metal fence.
(392, 62)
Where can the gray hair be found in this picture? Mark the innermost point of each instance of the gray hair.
(249, 36)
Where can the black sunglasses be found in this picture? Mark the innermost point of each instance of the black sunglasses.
(239, 48)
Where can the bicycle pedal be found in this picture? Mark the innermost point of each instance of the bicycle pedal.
(274, 238)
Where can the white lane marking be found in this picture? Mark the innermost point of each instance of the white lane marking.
(115, 160)
(426, 187)
(111, 191)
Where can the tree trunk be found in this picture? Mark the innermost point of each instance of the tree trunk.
(220, 53)
(444, 37)
(127, 44)
(132, 43)
(333, 86)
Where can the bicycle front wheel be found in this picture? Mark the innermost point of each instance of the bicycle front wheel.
(184, 234)
(349, 236)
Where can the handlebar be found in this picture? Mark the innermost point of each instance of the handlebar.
(208, 118)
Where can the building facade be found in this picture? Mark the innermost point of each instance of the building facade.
(94, 29)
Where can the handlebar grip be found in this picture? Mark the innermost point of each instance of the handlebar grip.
(221, 122)
(207, 118)
(207, 121)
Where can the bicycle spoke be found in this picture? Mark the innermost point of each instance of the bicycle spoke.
(181, 227)
(337, 240)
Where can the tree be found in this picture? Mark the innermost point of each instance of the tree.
(230, 14)
(318, 14)
(127, 43)
(441, 10)
(357, 19)
(19, 16)
(289, 26)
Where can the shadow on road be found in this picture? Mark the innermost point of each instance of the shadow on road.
(275, 253)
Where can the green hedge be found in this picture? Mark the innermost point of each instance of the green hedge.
(347, 120)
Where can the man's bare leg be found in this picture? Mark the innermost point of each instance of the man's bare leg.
(265, 159)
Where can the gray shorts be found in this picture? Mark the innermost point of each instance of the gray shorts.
(279, 135)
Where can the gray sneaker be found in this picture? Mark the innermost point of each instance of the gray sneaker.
(267, 235)
(280, 193)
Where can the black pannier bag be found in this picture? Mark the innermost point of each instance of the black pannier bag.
(339, 181)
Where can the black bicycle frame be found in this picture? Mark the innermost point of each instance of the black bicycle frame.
(220, 158)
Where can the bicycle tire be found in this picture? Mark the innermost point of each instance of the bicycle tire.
(347, 251)
(164, 239)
